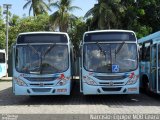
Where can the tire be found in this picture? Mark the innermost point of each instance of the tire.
(146, 85)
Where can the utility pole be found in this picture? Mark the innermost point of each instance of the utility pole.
(6, 11)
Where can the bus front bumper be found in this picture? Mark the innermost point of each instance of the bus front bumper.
(56, 90)
(94, 90)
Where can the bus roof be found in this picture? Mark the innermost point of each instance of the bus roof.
(42, 32)
(149, 37)
(109, 35)
(2, 50)
(39, 37)
(96, 31)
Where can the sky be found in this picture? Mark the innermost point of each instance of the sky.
(17, 6)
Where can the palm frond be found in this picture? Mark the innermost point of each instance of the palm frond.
(54, 18)
(55, 5)
(62, 17)
(72, 8)
(30, 9)
(26, 5)
(89, 13)
(43, 7)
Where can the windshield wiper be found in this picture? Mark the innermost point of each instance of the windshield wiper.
(41, 56)
(105, 54)
(101, 49)
(35, 51)
(49, 49)
(46, 52)
(120, 47)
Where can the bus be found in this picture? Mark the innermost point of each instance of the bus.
(42, 64)
(109, 62)
(3, 63)
(150, 62)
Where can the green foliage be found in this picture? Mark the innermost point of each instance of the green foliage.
(76, 31)
(19, 25)
(106, 14)
(143, 31)
(2, 39)
(142, 17)
(63, 17)
(30, 24)
(38, 6)
(2, 31)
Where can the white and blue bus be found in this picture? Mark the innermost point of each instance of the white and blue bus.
(42, 63)
(3, 63)
(109, 62)
(150, 62)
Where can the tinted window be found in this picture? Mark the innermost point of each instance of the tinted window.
(97, 61)
(42, 38)
(109, 36)
(2, 58)
(146, 51)
(40, 58)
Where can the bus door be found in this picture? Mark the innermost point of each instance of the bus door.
(153, 67)
(80, 67)
(13, 65)
(158, 69)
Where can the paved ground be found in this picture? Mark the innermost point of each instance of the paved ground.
(76, 103)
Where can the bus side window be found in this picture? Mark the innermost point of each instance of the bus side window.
(147, 57)
(2, 57)
(146, 51)
(143, 52)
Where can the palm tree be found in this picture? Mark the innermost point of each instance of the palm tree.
(63, 17)
(38, 6)
(104, 14)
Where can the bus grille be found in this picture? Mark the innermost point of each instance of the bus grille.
(114, 83)
(45, 84)
(110, 77)
(40, 79)
(41, 89)
(111, 89)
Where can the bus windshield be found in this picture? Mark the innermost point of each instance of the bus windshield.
(122, 54)
(42, 59)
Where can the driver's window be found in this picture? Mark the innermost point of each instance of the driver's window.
(146, 51)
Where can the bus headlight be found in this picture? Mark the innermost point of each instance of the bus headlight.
(61, 82)
(89, 81)
(132, 80)
(19, 81)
